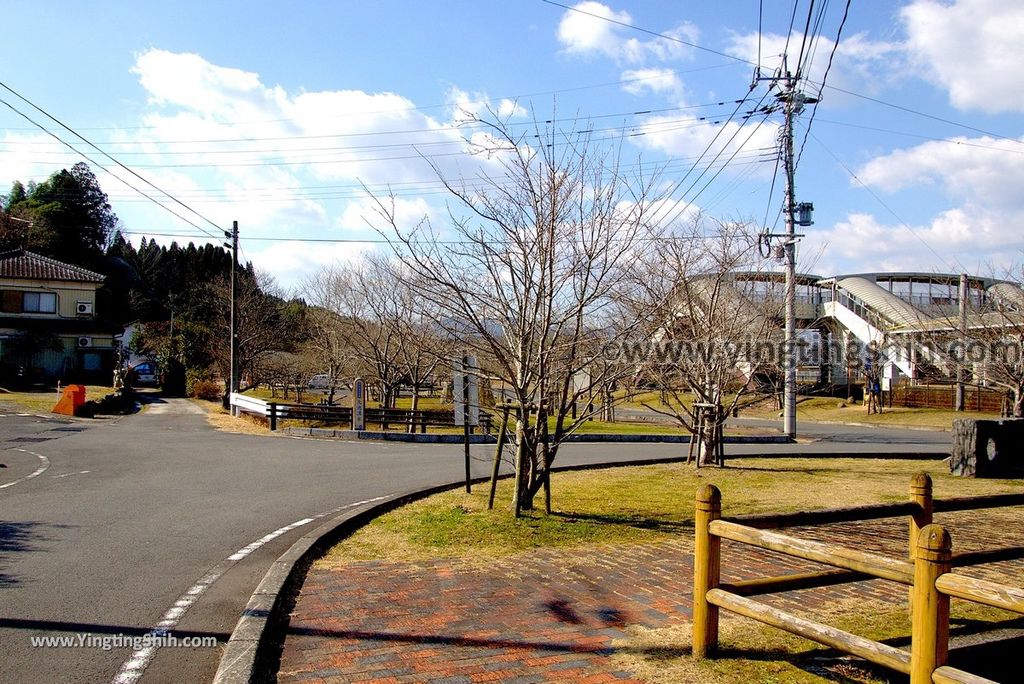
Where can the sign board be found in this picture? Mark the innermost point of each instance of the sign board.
(466, 390)
(359, 404)
(580, 381)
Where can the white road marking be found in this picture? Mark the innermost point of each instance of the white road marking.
(44, 463)
(80, 472)
(133, 668)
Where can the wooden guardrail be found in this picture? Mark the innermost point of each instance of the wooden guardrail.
(928, 572)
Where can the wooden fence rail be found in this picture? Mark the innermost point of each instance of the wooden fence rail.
(929, 573)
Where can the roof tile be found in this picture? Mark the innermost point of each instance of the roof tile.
(27, 265)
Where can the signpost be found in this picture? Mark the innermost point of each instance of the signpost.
(359, 404)
(466, 393)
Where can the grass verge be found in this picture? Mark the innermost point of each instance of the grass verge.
(828, 409)
(221, 419)
(43, 400)
(635, 505)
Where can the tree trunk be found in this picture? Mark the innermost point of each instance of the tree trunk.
(1018, 403)
(708, 445)
(415, 405)
(520, 493)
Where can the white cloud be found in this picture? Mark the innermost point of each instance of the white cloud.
(975, 240)
(983, 170)
(465, 106)
(363, 214)
(971, 48)
(592, 31)
(664, 81)
(292, 263)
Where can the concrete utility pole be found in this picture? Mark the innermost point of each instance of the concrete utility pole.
(792, 101)
(233, 379)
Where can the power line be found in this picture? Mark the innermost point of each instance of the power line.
(664, 36)
(887, 207)
(406, 131)
(513, 98)
(637, 129)
(803, 41)
(707, 148)
(951, 141)
(100, 166)
(90, 144)
(916, 112)
(824, 79)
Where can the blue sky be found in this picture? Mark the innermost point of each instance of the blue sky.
(275, 116)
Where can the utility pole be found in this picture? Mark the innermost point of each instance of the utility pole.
(792, 101)
(233, 354)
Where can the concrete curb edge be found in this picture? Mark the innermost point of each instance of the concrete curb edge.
(595, 438)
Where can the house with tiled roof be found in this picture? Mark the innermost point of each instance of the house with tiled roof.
(49, 328)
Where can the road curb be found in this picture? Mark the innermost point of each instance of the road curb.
(252, 652)
(593, 438)
(247, 648)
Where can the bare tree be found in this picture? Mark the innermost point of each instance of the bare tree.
(985, 344)
(706, 334)
(528, 273)
(262, 324)
(329, 346)
(369, 319)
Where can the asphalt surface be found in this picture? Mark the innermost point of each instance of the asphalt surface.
(130, 513)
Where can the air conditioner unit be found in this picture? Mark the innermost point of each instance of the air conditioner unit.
(84, 342)
(83, 308)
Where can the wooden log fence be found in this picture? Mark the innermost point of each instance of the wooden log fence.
(929, 573)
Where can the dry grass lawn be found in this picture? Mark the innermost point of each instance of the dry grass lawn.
(220, 419)
(43, 401)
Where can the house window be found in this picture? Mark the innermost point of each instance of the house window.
(39, 302)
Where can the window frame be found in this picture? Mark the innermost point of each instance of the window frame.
(39, 297)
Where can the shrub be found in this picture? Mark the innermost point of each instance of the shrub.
(207, 389)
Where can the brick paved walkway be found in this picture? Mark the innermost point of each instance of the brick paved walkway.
(548, 616)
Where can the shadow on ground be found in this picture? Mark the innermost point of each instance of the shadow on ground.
(22, 537)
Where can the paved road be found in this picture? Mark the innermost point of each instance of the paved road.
(130, 514)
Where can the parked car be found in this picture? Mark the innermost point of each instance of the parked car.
(146, 373)
(321, 381)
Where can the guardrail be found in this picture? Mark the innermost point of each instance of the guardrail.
(928, 572)
(413, 420)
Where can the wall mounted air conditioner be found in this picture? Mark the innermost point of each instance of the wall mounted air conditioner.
(83, 308)
(84, 342)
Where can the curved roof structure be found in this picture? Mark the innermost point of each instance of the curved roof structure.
(883, 302)
(1009, 294)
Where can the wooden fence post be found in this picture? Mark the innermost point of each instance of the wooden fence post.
(921, 495)
(929, 645)
(273, 416)
(706, 571)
